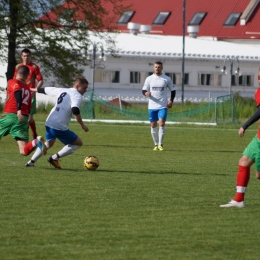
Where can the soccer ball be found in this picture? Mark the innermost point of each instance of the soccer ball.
(91, 162)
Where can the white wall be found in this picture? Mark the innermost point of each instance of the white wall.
(193, 67)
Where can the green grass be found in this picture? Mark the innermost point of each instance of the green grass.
(139, 204)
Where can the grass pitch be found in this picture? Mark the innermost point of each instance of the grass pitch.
(139, 204)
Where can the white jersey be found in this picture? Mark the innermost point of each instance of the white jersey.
(158, 85)
(61, 113)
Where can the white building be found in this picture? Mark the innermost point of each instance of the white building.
(204, 60)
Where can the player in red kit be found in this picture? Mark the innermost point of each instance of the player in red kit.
(16, 113)
(250, 156)
(34, 75)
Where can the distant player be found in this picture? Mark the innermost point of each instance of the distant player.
(250, 156)
(67, 104)
(34, 75)
(155, 87)
(16, 113)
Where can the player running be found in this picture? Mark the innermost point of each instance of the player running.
(67, 104)
(250, 156)
(16, 113)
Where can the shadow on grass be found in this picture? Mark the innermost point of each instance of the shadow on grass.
(61, 171)
(166, 149)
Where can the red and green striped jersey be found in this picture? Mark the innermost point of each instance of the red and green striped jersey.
(34, 73)
(10, 105)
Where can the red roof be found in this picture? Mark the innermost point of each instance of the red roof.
(212, 25)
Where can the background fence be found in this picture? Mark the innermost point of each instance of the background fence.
(218, 111)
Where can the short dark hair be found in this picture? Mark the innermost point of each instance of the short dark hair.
(26, 51)
(158, 62)
(81, 80)
(23, 70)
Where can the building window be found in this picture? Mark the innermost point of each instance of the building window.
(232, 19)
(209, 79)
(107, 76)
(244, 80)
(161, 18)
(138, 77)
(177, 78)
(126, 17)
(197, 18)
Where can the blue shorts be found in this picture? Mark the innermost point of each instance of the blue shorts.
(155, 114)
(66, 137)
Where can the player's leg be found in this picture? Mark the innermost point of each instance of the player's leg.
(71, 141)
(31, 121)
(6, 123)
(19, 131)
(243, 175)
(70, 148)
(38, 153)
(50, 140)
(26, 148)
(257, 164)
(153, 117)
(257, 174)
(162, 118)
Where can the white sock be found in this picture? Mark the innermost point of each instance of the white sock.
(38, 153)
(161, 134)
(66, 150)
(154, 132)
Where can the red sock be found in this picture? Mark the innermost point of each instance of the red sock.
(29, 147)
(33, 127)
(243, 176)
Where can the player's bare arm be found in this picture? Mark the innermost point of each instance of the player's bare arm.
(19, 115)
(39, 84)
(79, 120)
(241, 131)
(77, 116)
(170, 103)
(146, 93)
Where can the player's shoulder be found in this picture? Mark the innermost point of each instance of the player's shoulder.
(12, 80)
(16, 81)
(75, 93)
(165, 76)
(71, 91)
(150, 77)
(17, 84)
(18, 65)
(34, 65)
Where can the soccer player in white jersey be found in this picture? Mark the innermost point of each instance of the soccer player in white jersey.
(155, 87)
(67, 104)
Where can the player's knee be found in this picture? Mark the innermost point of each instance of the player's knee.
(78, 142)
(241, 161)
(245, 161)
(23, 153)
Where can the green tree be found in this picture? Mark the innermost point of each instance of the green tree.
(56, 33)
